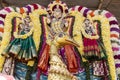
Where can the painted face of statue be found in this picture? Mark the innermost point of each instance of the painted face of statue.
(27, 19)
(57, 13)
(89, 27)
(87, 22)
(21, 26)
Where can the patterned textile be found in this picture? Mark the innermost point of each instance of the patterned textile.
(20, 71)
(94, 49)
(8, 66)
(23, 49)
(82, 76)
(100, 68)
(91, 49)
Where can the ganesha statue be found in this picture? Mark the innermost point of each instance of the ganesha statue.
(57, 43)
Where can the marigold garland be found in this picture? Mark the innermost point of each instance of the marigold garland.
(8, 29)
(77, 30)
(105, 27)
(7, 34)
(37, 29)
(114, 28)
(105, 35)
(37, 25)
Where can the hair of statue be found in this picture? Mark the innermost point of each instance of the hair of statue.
(59, 6)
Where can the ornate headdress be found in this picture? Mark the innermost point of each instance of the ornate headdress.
(57, 4)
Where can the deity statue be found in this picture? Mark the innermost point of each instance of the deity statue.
(57, 21)
(94, 49)
(22, 47)
(56, 43)
(57, 25)
(22, 37)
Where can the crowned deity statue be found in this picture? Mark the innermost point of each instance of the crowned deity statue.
(56, 43)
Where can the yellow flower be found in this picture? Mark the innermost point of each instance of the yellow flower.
(105, 29)
(7, 34)
(37, 29)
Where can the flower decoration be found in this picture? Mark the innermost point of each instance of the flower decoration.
(109, 26)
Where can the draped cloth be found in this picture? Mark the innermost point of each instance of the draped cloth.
(22, 49)
(20, 71)
(8, 68)
(70, 55)
(71, 58)
(44, 59)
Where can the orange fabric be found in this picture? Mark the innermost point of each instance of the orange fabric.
(44, 58)
(22, 10)
(71, 59)
(114, 35)
(1, 29)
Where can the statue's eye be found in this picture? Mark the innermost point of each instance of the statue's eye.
(60, 35)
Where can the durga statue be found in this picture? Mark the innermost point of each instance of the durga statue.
(56, 43)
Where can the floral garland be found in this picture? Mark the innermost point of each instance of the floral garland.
(106, 40)
(27, 9)
(37, 25)
(8, 27)
(37, 28)
(105, 29)
(114, 28)
(76, 30)
(23, 36)
(3, 14)
(114, 34)
(7, 34)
